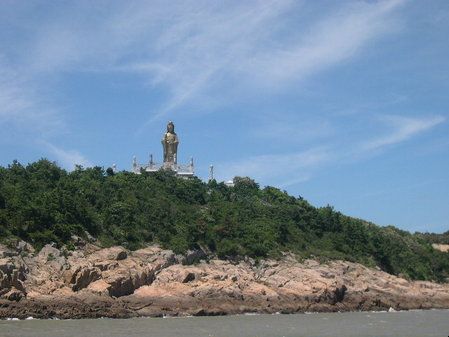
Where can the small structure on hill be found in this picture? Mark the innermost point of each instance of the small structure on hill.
(170, 142)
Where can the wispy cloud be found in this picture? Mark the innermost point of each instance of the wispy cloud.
(284, 169)
(24, 110)
(67, 158)
(293, 168)
(246, 47)
(202, 49)
(402, 129)
(335, 38)
(12, 99)
(21, 106)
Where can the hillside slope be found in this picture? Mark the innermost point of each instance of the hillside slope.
(42, 203)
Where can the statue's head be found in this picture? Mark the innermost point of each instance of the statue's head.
(171, 127)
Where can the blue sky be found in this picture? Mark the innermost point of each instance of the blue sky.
(342, 102)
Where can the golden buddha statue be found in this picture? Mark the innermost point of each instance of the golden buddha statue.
(170, 144)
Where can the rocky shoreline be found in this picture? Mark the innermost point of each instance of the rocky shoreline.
(91, 282)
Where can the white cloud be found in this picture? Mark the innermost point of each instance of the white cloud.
(284, 169)
(293, 168)
(22, 107)
(12, 100)
(333, 39)
(67, 158)
(203, 49)
(403, 128)
(245, 48)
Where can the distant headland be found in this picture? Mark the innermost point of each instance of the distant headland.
(96, 242)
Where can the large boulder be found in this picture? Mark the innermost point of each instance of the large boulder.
(12, 277)
(14, 295)
(116, 253)
(7, 251)
(83, 276)
(99, 287)
(193, 256)
(23, 247)
(124, 282)
(51, 256)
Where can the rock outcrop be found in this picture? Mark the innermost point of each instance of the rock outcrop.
(114, 282)
(441, 247)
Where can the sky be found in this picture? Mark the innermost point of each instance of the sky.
(344, 103)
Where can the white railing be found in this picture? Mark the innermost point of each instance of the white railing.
(182, 170)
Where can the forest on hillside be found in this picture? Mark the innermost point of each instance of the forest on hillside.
(43, 203)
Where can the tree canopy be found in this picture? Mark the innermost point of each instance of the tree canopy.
(42, 203)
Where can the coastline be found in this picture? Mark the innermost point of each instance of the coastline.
(91, 282)
(31, 318)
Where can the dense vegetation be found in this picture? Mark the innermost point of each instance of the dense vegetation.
(442, 238)
(43, 203)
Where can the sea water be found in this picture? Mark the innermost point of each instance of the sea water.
(428, 323)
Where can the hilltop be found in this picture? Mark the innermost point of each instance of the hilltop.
(42, 203)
